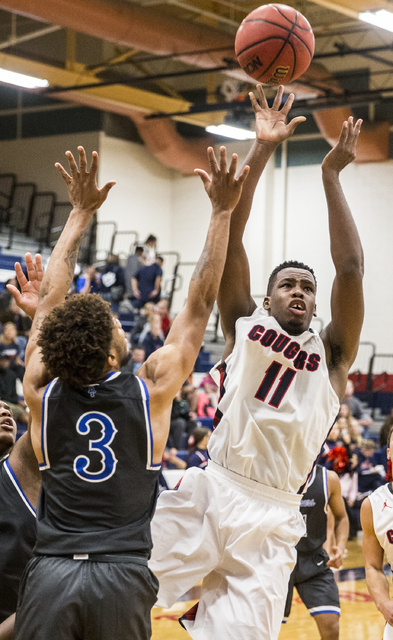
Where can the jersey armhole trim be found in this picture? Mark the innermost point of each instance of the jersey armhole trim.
(44, 425)
(17, 486)
(150, 465)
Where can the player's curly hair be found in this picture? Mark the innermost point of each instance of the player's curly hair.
(75, 339)
(285, 265)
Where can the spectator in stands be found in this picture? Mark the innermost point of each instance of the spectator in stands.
(88, 281)
(153, 339)
(149, 250)
(370, 476)
(134, 263)
(181, 424)
(8, 391)
(112, 282)
(138, 357)
(12, 348)
(197, 451)
(171, 460)
(146, 285)
(145, 316)
(5, 298)
(384, 431)
(356, 407)
(163, 310)
(207, 398)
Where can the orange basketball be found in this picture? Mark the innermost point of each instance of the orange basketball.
(274, 44)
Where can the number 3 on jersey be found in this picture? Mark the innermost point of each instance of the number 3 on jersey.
(268, 381)
(101, 446)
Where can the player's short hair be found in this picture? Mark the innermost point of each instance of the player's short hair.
(285, 265)
(75, 339)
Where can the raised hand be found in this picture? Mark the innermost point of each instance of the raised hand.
(223, 188)
(27, 298)
(270, 122)
(82, 187)
(344, 151)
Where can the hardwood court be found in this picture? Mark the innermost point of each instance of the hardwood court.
(359, 616)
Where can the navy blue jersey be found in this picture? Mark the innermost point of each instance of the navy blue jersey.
(17, 537)
(99, 483)
(313, 507)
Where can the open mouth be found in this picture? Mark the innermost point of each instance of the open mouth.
(7, 424)
(298, 308)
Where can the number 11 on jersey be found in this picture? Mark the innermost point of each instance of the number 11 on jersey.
(268, 381)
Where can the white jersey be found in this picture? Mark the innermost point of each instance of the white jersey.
(382, 506)
(276, 404)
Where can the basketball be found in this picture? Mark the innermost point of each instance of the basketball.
(274, 44)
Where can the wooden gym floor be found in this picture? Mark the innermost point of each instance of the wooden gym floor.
(359, 616)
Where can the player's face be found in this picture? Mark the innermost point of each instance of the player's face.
(7, 428)
(119, 341)
(292, 300)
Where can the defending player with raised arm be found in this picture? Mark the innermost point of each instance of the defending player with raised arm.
(280, 385)
(99, 432)
(377, 524)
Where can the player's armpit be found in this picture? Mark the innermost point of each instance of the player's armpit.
(7, 628)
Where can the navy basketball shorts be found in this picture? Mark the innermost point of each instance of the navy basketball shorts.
(315, 584)
(69, 599)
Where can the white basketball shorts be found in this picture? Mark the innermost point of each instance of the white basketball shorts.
(388, 632)
(240, 537)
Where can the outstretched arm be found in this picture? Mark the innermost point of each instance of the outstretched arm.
(166, 369)
(377, 582)
(85, 198)
(341, 336)
(341, 522)
(234, 298)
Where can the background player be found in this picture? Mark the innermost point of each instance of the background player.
(237, 525)
(376, 516)
(312, 576)
(98, 432)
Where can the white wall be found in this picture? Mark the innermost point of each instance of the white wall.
(33, 159)
(153, 199)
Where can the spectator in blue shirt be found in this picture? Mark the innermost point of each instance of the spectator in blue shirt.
(146, 285)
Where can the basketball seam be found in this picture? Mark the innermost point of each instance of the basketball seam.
(239, 53)
(286, 18)
(272, 38)
(276, 24)
(281, 50)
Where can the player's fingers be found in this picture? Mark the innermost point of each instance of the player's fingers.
(344, 133)
(14, 292)
(72, 163)
(212, 160)
(39, 269)
(295, 122)
(278, 98)
(66, 177)
(20, 276)
(204, 177)
(254, 102)
(223, 160)
(30, 266)
(94, 164)
(106, 188)
(358, 126)
(82, 160)
(233, 166)
(261, 96)
(243, 176)
(288, 104)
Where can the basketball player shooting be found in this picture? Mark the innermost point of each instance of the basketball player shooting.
(99, 432)
(236, 524)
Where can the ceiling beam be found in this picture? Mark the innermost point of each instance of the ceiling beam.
(352, 8)
(116, 98)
